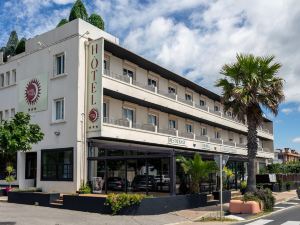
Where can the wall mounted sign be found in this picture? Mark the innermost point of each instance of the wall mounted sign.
(94, 82)
(176, 141)
(33, 94)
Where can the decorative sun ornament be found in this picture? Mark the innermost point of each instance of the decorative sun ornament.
(32, 91)
(93, 115)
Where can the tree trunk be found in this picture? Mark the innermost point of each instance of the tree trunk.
(252, 151)
(194, 187)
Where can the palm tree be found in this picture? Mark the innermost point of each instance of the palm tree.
(251, 84)
(197, 169)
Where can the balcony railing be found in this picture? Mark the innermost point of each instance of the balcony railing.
(175, 97)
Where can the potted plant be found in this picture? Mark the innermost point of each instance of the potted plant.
(243, 187)
(10, 178)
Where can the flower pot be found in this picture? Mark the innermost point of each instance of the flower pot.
(6, 190)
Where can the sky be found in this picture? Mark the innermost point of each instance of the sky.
(193, 38)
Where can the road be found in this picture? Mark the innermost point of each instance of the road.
(17, 214)
(288, 214)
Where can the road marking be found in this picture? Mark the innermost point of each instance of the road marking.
(279, 207)
(260, 222)
(290, 203)
(291, 223)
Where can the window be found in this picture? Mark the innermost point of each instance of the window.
(188, 97)
(57, 164)
(152, 82)
(217, 135)
(7, 78)
(12, 112)
(203, 131)
(6, 114)
(229, 114)
(202, 102)
(106, 65)
(172, 124)
(59, 109)
(128, 114)
(14, 76)
(152, 119)
(30, 165)
(172, 90)
(217, 108)
(60, 64)
(1, 116)
(189, 128)
(230, 136)
(105, 110)
(2, 80)
(129, 73)
(241, 140)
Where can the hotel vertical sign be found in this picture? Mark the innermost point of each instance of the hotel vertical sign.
(94, 82)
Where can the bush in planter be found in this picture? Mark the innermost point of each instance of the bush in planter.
(243, 187)
(228, 175)
(120, 201)
(288, 185)
(263, 196)
(9, 178)
(85, 189)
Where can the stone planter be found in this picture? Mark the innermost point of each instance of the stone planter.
(238, 206)
(298, 193)
(226, 196)
(32, 198)
(148, 206)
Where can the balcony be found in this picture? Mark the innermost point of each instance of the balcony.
(144, 132)
(175, 98)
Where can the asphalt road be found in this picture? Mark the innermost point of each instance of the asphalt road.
(289, 216)
(17, 214)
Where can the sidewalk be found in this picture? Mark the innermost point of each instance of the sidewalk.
(211, 211)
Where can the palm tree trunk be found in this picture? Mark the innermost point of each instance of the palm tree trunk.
(252, 151)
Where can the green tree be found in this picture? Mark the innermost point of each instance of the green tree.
(21, 46)
(251, 84)
(78, 11)
(18, 134)
(197, 169)
(97, 21)
(11, 44)
(62, 22)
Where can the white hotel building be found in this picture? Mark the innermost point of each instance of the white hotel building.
(110, 114)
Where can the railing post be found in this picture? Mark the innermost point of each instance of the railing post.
(156, 130)
(234, 144)
(222, 141)
(193, 104)
(130, 80)
(176, 97)
(194, 136)
(207, 108)
(155, 89)
(176, 133)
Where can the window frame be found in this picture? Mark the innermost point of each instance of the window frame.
(56, 74)
(54, 116)
(176, 124)
(7, 79)
(156, 120)
(191, 126)
(57, 150)
(202, 133)
(2, 80)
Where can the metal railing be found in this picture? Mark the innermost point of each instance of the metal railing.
(175, 97)
(186, 135)
(167, 131)
(201, 138)
(216, 140)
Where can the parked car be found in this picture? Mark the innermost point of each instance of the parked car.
(140, 183)
(162, 180)
(116, 183)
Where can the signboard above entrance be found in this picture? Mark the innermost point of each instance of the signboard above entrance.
(176, 141)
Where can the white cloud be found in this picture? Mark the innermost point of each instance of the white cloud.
(287, 110)
(296, 140)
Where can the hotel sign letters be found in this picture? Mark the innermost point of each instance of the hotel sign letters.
(94, 89)
(176, 141)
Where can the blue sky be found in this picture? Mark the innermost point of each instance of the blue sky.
(191, 37)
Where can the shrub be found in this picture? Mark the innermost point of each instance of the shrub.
(120, 201)
(264, 196)
(10, 177)
(97, 21)
(85, 189)
(288, 185)
(78, 11)
(243, 186)
(62, 22)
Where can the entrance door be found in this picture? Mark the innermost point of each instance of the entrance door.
(30, 166)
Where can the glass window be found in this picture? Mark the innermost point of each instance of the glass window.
(6, 114)
(203, 131)
(172, 124)
(30, 165)
(14, 76)
(189, 128)
(60, 64)
(57, 164)
(217, 108)
(202, 102)
(128, 114)
(59, 109)
(12, 112)
(152, 119)
(105, 109)
(152, 83)
(188, 97)
(127, 72)
(217, 135)
(241, 140)
(172, 90)
(7, 78)
(106, 65)
(2, 80)
(1, 116)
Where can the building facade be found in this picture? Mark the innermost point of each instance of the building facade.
(113, 118)
(286, 155)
